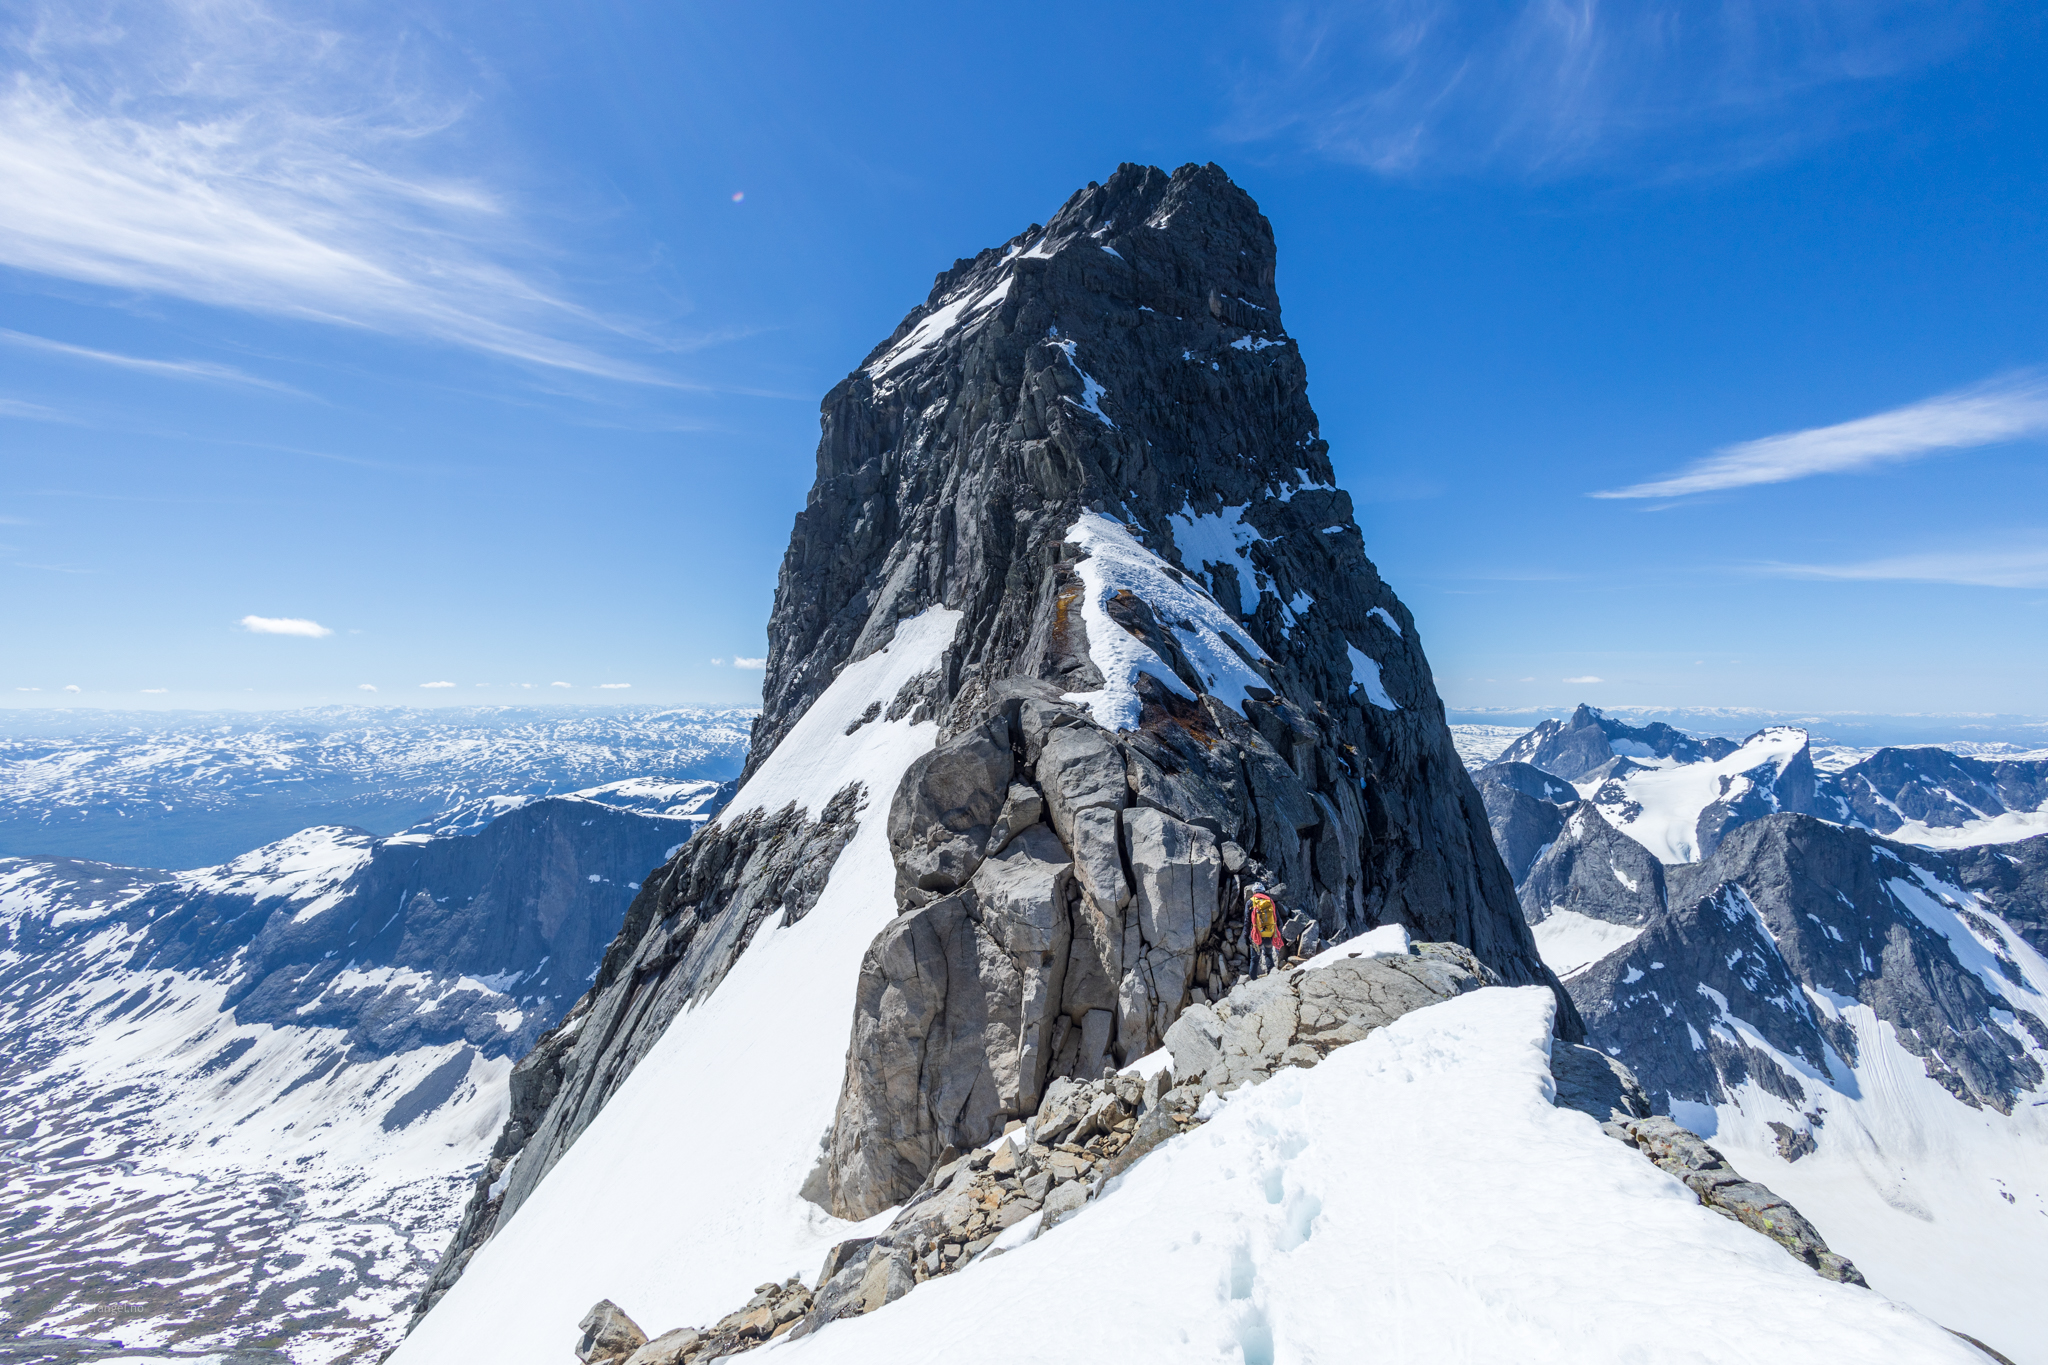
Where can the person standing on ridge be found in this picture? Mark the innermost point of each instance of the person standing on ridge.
(1262, 927)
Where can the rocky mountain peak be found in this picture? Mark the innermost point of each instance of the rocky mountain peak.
(1075, 640)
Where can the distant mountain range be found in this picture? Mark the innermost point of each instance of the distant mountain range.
(242, 1104)
(188, 789)
(1838, 971)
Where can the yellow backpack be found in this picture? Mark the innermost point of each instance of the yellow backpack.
(1264, 913)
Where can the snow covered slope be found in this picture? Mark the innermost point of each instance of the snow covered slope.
(185, 789)
(242, 1104)
(685, 1190)
(1338, 1214)
(1867, 1036)
(1680, 809)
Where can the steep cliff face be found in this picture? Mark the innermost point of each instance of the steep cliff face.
(1075, 638)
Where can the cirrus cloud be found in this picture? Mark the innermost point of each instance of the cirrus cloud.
(741, 661)
(283, 625)
(1588, 678)
(437, 684)
(2008, 407)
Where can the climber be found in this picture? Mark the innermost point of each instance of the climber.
(1262, 927)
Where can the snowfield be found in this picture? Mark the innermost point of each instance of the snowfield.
(682, 1195)
(1347, 1213)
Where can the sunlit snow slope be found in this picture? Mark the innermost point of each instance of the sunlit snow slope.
(683, 1194)
(1344, 1213)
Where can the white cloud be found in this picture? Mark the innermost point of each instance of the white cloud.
(28, 689)
(613, 687)
(437, 684)
(283, 625)
(561, 684)
(366, 687)
(718, 663)
(242, 157)
(1549, 86)
(1589, 678)
(2015, 567)
(170, 369)
(2006, 408)
(483, 684)
(73, 687)
(527, 686)
(741, 661)
(150, 691)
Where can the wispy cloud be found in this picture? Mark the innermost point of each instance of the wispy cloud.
(366, 687)
(2023, 566)
(33, 412)
(613, 687)
(1588, 678)
(2005, 408)
(170, 369)
(561, 684)
(154, 691)
(437, 684)
(225, 152)
(1542, 87)
(741, 661)
(284, 625)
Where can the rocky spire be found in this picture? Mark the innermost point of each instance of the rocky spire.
(1082, 496)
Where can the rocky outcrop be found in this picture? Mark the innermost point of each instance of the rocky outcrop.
(1721, 1188)
(2014, 879)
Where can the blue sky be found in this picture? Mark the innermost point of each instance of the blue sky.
(489, 337)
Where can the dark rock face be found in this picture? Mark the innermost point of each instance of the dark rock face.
(1573, 748)
(1590, 868)
(2015, 878)
(1175, 671)
(1523, 811)
(1787, 909)
(1935, 787)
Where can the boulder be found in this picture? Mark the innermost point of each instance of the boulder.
(1177, 870)
(670, 1348)
(1023, 807)
(1296, 1018)
(945, 807)
(1594, 1083)
(609, 1336)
